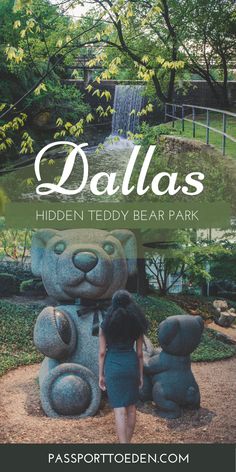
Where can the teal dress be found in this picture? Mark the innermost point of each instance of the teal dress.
(121, 369)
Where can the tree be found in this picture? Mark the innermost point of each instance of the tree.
(159, 38)
(197, 35)
(142, 34)
(209, 42)
(116, 27)
(31, 75)
(179, 254)
(15, 244)
(156, 41)
(224, 266)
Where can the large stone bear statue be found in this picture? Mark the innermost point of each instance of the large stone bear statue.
(81, 269)
(174, 385)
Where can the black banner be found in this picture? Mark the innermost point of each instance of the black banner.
(116, 457)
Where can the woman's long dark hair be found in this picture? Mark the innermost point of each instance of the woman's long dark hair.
(124, 319)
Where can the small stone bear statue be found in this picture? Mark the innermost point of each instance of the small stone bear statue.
(174, 385)
(81, 269)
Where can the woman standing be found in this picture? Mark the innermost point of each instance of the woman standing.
(120, 365)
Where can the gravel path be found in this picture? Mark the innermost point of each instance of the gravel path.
(23, 421)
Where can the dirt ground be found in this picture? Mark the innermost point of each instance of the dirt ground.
(23, 421)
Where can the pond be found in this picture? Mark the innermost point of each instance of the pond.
(110, 157)
(108, 151)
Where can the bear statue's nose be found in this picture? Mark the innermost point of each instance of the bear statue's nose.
(85, 260)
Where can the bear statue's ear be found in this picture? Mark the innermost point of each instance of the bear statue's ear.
(200, 322)
(168, 330)
(39, 242)
(128, 241)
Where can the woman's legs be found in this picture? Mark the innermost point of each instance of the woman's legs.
(121, 428)
(125, 418)
(131, 420)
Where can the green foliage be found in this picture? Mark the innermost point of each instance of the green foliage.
(63, 100)
(151, 134)
(229, 295)
(208, 34)
(15, 243)
(14, 185)
(162, 42)
(158, 309)
(17, 324)
(16, 335)
(195, 304)
(211, 348)
(9, 284)
(30, 68)
(32, 285)
(3, 201)
(17, 269)
(200, 132)
(147, 56)
(224, 266)
(157, 42)
(219, 181)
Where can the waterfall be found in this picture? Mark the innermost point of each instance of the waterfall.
(127, 98)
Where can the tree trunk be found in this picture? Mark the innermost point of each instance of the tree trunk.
(163, 291)
(225, 81)
(142, 280)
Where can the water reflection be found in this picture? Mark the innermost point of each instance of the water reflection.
(110, 157)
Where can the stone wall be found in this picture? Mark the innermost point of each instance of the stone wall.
(174, 145)
(199, 93)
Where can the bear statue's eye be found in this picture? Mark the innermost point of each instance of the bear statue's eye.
(109, 248)
(59, 248)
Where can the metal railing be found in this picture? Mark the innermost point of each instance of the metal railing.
(185, 111)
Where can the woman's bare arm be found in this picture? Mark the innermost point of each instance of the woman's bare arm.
(139, 350)
(101, 359)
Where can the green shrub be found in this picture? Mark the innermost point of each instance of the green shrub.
(211, 348)
(227, 295)
(16, 335)
(9, 284)
(152, 133)
(22, 272)
(32, 285)
(17, 324)
(158, 309)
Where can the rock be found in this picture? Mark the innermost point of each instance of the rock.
(226, 319)
(220, 305)
(225, 316)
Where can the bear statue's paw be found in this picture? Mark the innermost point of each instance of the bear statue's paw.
(54, 333)
(192, 400)
(70, 395)
(63, 326)
(166, 408)
(70, 391)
